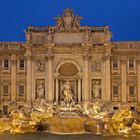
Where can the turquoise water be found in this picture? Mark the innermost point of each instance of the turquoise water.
(46, 136)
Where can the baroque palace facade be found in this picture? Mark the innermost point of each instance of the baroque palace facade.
(95, 67)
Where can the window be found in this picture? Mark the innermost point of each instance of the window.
(131, 63)
(6, 64)
(115, 91)
(115, 64)
(131, 91)
(21, 90)
(5, 109)
(5, 90)
(21, 64)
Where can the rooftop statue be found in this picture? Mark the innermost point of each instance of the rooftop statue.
(68, 21)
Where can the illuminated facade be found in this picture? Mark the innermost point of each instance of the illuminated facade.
(96, 67)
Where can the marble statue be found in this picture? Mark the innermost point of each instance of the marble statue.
(87, 35)
(68, 21)
(96, 90)
(67, 93)
(40, 90)
(50, 36)
(76, 21)
(59, 22)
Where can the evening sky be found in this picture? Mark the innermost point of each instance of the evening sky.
(123, 16)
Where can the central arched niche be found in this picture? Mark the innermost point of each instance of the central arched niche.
(68, 69)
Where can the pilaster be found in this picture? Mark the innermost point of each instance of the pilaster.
(86, 72)
(50, 96)
(107, 72)
(123, 78)
(29, 74)
(13, 77)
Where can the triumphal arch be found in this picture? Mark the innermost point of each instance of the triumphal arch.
(69, 57)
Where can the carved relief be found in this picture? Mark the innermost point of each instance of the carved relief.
(68, 69)
(96, 61)
(132, 80)
(6, 82)
(40, 66)
(96, 66)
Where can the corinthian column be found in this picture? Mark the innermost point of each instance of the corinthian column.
(29, 75)
(13, 77)
(86, 71)
(79, 90)
(86, 89)
(50, 73)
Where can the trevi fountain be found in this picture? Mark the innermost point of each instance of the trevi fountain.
(68, 118)
(69, 81)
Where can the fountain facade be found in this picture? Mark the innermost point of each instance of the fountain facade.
(70, 78)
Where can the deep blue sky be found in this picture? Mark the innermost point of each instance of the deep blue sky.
(123, 16)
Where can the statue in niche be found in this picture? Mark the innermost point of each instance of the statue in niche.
(96, 90)
(39, 66)
(40, 90)
(87, 35)
(67, 92)
(96, 66)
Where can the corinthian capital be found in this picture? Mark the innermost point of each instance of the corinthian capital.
(13, 57)
(123, 59)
